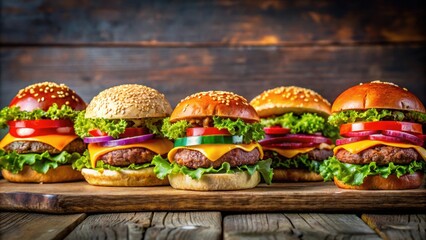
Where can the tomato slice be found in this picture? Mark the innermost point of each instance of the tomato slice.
(276, 130)
(132, 132)
(42, 123)
(204, 131)
(415, 128)
(97, 133)
(32, 132)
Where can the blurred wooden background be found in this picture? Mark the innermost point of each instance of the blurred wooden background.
(182, 47)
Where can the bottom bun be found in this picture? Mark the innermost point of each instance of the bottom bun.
(140, 178)
(377, 182)
(210, 182)
(295, 175)
(63, 173)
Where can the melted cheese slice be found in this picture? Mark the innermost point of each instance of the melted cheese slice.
(160, 146)
(290, 153)
(214, 151)
(357, 147)
(54, 140)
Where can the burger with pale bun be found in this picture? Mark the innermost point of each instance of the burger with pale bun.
(383, 142)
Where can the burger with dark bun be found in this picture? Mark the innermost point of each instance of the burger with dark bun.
(122, 128)
(298, 138)
(41, 144)
(383, 144)
(215, 146)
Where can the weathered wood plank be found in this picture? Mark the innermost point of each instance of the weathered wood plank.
(178, 72)
(296, 226)
(23, 226)
(152, 23)
(113, 226)
(185, 225)
(407, 226)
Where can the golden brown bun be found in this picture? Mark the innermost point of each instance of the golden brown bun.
(379, 95)
(295, 175)
(377, 182)
(212, 182)
(63, 173)
(129, 101)
(282, 100)
(127, 178)
(214, 103)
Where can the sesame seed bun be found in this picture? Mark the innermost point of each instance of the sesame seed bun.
(392, 182)
(63, 173)
(129, 101)
(281, 100)
(376, 94)
(123, 178)
(214, 103)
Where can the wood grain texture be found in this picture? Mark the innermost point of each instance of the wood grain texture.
(185, 225)
(292, 197)
(395, 227)
(296, 226)
(14, 225)
(149, 23)
(113, 226)
(178, 72)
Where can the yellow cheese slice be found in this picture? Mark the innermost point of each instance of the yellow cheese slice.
(160, 146)
(214, 151)
(54, 140)
(357, 147)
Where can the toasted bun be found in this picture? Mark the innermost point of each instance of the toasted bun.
(130, 101)
(43, 95)
(295, 175)
(377, 182)
(282, 100)
(142, 177)
(211, 182)
(214, 103)
(63, 173)
(376, 94)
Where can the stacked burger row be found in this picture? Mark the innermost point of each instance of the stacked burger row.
(129, 135)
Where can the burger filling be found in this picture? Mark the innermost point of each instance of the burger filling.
(22, 147)
(310, 160)
(381, 155)
(125, 157)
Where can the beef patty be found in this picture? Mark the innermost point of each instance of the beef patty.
(382, 155)
(125, 157)
(38, 147)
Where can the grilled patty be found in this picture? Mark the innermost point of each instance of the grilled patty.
(125, 157)
(38, 147)
(382, 155)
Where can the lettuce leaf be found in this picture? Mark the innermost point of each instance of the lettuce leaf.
(354, 174)
(54, 112)
(14, 162)
(174, 130)
(163, 168)
(113, 127)
(299, 161)
(309, 123)
(372, 114)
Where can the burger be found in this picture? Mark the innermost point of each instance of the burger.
(41, 143)
(383, 142)
(122, 127)
(215, 146)
(298, 138)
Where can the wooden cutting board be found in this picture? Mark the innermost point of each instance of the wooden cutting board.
(287, 197)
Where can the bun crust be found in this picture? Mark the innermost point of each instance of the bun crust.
(282, 100)
(141, 178)
(295, 175)
(63, 173)
(212, 182)
(129, 101)
(43, 95)
(377, 182)
(214, 103)
(377, 94)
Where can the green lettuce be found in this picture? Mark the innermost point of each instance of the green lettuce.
(163, 168)
(113, 127)
(174, 130)
(354, 174)
(372, 114)
(309, 123)
(54, 112)
(14, 162)
(299, 161)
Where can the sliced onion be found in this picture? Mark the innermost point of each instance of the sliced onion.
(297, 138)
(350, 140)
(405, 136)
(291, 145)
(360, 133)
(97, 139)
(381, 137)
(129, 140)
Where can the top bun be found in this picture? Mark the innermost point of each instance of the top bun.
(281, 100)
(376, 94)
(214, 103)
(129, 101)
(43, 95)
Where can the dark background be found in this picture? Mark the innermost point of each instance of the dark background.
(182, 47)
